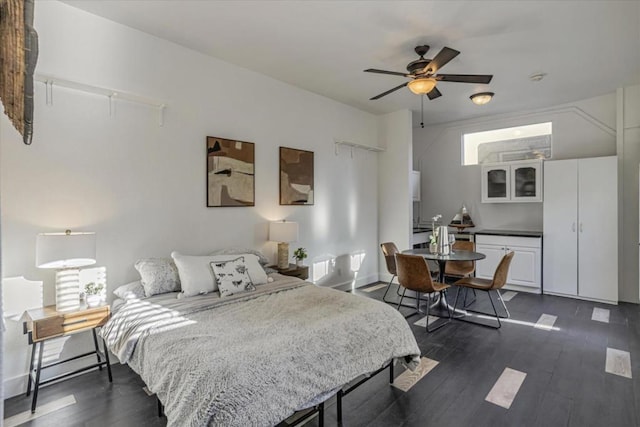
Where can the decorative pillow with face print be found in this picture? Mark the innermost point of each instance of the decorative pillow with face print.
(232, 276)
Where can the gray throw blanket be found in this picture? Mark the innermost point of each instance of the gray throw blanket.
(254, 359)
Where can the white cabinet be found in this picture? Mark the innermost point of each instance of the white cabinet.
(415, 185)
(419, 238)
(512, 182)
(525, 270)
(581, 228)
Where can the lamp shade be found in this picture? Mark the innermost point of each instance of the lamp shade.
(422, 86)
(65, 250)
(283, 231)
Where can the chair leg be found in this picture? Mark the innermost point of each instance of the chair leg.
(384, 297)
(503, 304)
(442, 324)
(401, 298)
(409, 306)
(426, 326)
(494, 310)
(466, 292)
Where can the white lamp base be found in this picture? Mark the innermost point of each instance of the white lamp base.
(283, 255)
(68, 289)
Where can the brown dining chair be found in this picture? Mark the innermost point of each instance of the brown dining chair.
(414, 275)
(389, 250)
(486, 285)
(458, 269)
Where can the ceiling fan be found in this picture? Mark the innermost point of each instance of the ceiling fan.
(423, 74)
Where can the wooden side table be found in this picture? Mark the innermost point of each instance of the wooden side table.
(45, 323)
(301, 272)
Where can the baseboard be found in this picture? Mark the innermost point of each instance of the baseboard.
(386, 277)
(360, 281)
(15, 386)
(582, 298)
(519, 288)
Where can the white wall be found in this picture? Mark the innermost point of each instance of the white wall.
(582, 129)
(628, 187)
(394, 182)
(141, 187)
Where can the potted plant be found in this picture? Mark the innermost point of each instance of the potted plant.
(300, 254)
(93, 293)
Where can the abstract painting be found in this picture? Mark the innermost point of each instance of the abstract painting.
(296, 177)
(230, 172)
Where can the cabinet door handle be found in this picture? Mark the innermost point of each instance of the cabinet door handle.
(581, 227)
(573, 227)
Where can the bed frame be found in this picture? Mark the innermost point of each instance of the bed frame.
(307, 414)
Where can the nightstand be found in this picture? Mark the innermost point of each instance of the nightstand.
(301, 272)
(42, 324)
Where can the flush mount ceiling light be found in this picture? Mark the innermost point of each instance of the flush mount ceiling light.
(481, 98)
(422, 86)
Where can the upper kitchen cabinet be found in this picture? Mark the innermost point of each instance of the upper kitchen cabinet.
(512, 182)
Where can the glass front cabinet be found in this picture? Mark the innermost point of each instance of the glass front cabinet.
(512, 182)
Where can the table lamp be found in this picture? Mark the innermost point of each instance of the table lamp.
(66, 252)
(283, 232)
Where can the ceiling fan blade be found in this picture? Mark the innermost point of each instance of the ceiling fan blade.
(393, 73)
(439, 61)
(435, 93)
(464, 78)
(389, 91)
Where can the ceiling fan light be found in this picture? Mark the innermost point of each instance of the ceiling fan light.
(422, 86)
(481, 98)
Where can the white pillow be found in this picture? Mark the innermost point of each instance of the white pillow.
(196, 275)
(263, 260)
(130, 291)
(232, 276)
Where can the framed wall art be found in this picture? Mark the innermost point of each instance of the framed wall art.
(296, 177)
(230, 172)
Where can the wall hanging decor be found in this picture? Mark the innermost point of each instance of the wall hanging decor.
(296, 177)
(230, 172)
(18, 56)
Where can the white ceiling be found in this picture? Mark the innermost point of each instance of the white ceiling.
(587, 48)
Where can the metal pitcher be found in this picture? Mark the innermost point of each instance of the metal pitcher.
(443, 240)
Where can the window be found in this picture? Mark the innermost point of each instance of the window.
(508, 144)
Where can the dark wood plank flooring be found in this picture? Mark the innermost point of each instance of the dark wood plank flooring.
(566, 382)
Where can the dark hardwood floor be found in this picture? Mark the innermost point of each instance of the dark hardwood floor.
(565, 385)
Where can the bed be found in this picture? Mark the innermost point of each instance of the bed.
(255, 358)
